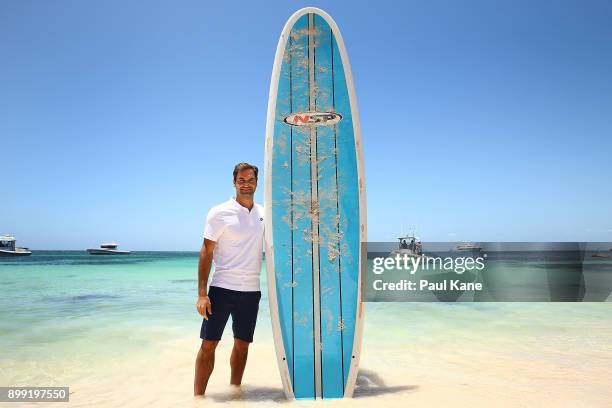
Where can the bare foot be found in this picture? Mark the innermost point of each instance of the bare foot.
(235, 391)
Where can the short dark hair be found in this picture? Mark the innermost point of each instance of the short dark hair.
(245, 166)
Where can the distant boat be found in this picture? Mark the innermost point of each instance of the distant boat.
(8, 248)
(468, 246)
(409, 245)
(601, 255)
(107, 249)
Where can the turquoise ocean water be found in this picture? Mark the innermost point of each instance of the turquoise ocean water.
(64, 312)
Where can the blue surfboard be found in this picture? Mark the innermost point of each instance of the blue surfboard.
(315, 210)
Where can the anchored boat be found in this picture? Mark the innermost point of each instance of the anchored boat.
(107, 249)
(469, 246)
(409, 245)
(8, 248)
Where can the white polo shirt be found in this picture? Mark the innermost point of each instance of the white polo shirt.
(238, 233)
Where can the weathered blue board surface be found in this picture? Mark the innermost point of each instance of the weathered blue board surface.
(315, 210)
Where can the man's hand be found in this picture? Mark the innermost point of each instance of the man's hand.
(204, 264)
(204, 306)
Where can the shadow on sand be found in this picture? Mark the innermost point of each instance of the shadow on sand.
(369, 384)
(248, 393)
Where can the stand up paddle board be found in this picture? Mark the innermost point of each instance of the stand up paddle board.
(315, 210)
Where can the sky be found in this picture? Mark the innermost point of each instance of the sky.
(481, 120)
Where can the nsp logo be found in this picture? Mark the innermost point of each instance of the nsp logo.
(313, 119)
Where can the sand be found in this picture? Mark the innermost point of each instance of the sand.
(463, 373)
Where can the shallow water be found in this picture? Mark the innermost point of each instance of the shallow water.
(124, 331)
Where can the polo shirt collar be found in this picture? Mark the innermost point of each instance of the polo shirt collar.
(237, 205)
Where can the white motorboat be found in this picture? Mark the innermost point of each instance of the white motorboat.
(107, 249)
(409, 245)
(468, 246)
(8, 248)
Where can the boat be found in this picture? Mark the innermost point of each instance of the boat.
(8, 248)
(108, 249)
(409, 245)
(601, 255)
(468, 246)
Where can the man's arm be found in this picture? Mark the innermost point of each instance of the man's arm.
(204, 265)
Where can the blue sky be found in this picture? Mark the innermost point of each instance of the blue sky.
(481, 120)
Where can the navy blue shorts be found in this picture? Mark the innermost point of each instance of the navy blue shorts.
(242, 306)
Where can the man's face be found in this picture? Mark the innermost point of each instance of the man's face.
(245, 183)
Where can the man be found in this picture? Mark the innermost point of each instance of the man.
(233, 238)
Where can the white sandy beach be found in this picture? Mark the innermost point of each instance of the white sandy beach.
(569, 367)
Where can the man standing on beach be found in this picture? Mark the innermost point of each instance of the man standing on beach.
(233, 238)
